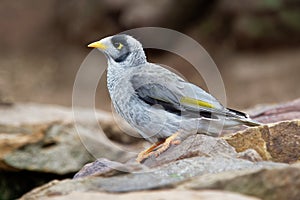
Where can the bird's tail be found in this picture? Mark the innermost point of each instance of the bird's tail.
(251, 122)
(244, 118)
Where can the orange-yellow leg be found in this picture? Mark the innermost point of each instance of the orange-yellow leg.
(159, 147)
(145, 154)
(172, 140)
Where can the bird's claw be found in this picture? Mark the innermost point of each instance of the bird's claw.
(158, 148)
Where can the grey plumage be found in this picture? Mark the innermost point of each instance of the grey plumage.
(156, 101)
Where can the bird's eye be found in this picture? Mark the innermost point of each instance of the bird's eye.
(118, 45)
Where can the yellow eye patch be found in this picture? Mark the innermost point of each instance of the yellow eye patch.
(120, 46)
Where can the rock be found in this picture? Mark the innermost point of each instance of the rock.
(253, 144)
(44, 142)
(275, 113)
(251, 155)
(193, 146)
(269, 184)
(33, 143)
(240, 155)
(17, 115)
(166, 176)
(277, 142)
(39, 152)
(149, 195)
(198, 162)
(104, 167)
(97, 168)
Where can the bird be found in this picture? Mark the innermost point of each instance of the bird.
(163, 107)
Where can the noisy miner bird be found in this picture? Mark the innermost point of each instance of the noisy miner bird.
(163, 107)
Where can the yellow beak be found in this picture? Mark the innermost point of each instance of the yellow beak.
(98, 44)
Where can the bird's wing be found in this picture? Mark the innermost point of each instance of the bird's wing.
(156, 85)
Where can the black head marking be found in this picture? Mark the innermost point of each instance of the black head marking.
(122, 57)
(119, 39)
(120, 43)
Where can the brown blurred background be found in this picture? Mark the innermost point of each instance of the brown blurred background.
(255, 44)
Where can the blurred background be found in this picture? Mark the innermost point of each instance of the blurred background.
(255, 44)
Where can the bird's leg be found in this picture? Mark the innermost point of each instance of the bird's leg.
(159, 147)
(146, 153)
(172, 140)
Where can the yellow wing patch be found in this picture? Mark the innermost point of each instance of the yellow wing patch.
(195, 102)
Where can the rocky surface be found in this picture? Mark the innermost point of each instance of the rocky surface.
(277, 142)
(275, 113)
(43, 142)
(261, 162)
(193, 146)
(150, 195)
(274, 182)
(269, 184)
(166, 176)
